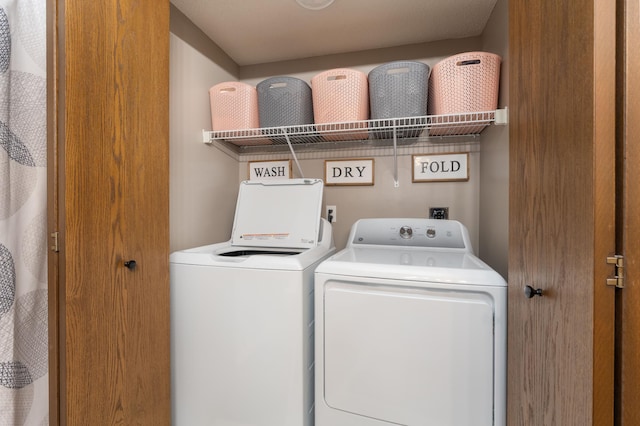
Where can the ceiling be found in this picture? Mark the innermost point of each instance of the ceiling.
(261, 31)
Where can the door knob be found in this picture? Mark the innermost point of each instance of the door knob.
(131, 264)
(529, 291)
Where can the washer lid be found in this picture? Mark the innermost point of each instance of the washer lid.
(282, 213)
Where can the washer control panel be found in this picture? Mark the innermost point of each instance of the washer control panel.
(410, 232)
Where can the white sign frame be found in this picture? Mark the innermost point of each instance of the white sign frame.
(275, 169)
(351, 172)
(450, 167)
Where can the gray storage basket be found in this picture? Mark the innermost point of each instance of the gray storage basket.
(284, 101)
(399, 89)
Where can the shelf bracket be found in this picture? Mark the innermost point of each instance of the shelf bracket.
(502, 117)
(206, 137)
(396, 182)
(293, 152)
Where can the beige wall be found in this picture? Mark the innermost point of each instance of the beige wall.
(494, 156)
(385, 200)
(205, 179)
(365, 61)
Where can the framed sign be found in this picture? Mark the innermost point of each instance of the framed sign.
(348, 172)
(268, 170)
(441, 168)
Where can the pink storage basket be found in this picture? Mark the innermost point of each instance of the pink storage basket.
(467, 82)
(234, 106)
(340, 95)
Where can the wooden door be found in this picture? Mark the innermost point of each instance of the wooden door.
(562, 158)
(628, 299)
(111, 334)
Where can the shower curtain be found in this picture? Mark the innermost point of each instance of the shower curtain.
(23, 214)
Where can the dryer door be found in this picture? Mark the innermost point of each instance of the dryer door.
(408, 355)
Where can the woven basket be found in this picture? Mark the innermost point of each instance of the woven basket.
(340, 95)
(399, 89)
(234, 106)
(467, 82)
(284, 101)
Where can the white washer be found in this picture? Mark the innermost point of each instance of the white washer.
(242, 312)
(410, 329)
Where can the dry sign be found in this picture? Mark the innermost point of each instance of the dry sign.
(441, 168)
(348, 172)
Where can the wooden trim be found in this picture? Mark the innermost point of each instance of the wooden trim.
(604, 147)
(53, 212)
(628, 299)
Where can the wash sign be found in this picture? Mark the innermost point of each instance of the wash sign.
(441, 168)
(270, 170)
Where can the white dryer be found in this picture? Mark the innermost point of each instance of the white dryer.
(410, 329)
(242, 312)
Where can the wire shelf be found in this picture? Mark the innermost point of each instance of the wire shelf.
(424, 127)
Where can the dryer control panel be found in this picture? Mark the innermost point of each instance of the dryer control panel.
(410, 232)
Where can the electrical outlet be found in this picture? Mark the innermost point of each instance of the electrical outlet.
(330, 214)
(439, 212)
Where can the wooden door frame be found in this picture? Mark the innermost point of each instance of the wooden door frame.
(632, 127)
(53, 228)
(628, 219)
(604, 146)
